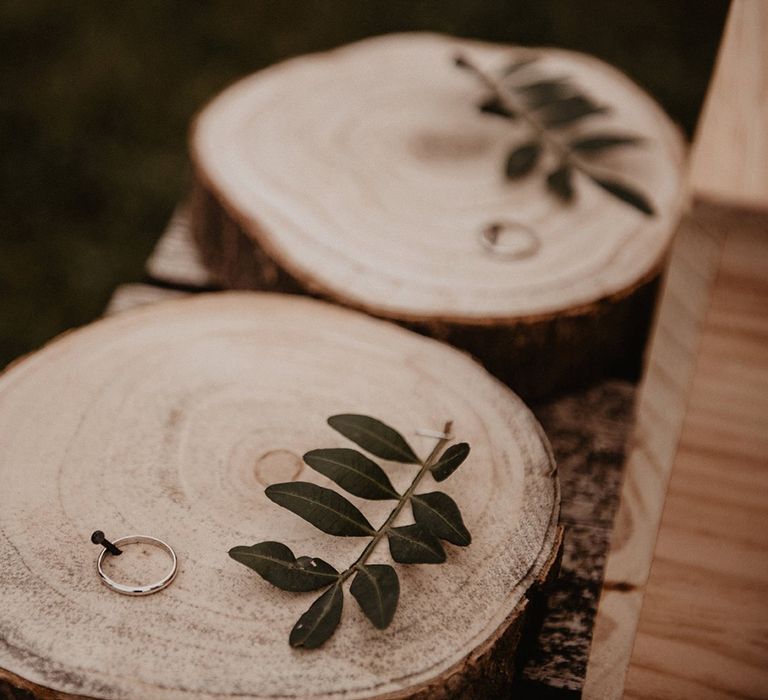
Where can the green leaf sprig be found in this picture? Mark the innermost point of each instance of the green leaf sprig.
(375, 587)
(547, 106)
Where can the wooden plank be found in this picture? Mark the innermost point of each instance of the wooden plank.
(660, 414)
(732, 142)
(703, 623)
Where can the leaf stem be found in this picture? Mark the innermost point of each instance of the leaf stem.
(404, 500)
(504, 95)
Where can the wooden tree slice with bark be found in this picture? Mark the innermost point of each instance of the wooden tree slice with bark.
(368, 175)
(170, 421)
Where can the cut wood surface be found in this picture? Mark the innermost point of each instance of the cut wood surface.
(170, 421)
(367, 175)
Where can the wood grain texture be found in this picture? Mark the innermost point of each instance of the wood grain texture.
(367, 174)
(730, 162)
(661, 409)
(705, 614)
(187, 409)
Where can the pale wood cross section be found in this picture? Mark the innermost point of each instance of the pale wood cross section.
(367, 175)
(187, 409)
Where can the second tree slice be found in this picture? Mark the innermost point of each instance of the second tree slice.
(367, 175)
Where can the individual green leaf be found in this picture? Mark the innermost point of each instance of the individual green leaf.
(450, 461)
(439, 513)
(566, 112)
(597, 143)
(522, 160)
(274, 562)
(626, 194)
(376, 589)
(319, 622)
(544, 92)
(325, 509)
(493, 105)
(374, 437)
(559, 182)
(353, 471)
(414, 544)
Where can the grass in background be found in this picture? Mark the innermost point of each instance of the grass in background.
(96, 99)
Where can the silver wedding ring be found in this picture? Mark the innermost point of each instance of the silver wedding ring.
(510, 240)
(149, 588)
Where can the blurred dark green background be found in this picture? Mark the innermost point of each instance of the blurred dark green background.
(96, 98)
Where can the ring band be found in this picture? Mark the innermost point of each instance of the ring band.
(510, 240)
(147, 589)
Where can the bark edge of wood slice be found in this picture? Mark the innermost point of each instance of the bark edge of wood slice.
(365, 175)
(169, 421)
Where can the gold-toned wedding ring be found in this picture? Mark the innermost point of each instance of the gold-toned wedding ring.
(149, 588)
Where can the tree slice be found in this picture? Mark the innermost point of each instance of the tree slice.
(367, 175)
(170, 421)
